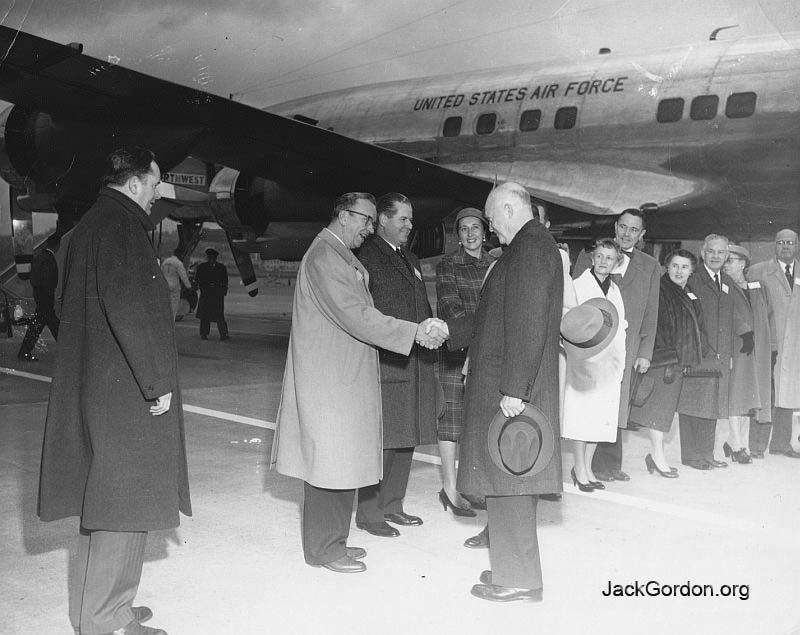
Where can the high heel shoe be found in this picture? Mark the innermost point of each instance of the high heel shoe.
(652, 467)
(597, 484)
(727, 450)
(444, 499)
(581, 486)
(741, 456)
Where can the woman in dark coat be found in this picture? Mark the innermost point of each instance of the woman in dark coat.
(679, 344)
(459, 276)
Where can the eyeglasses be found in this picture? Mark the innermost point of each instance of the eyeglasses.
(369, 222)
(790, 243)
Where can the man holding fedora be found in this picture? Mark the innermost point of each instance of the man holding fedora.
(212, 279)
(510, 445)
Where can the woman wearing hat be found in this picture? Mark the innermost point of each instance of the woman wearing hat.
(459, 276)
(594, 338)
(679, 344)
(749, 387)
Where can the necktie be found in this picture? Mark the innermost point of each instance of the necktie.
(716, 281)
(403, 258)
(789, 276)
(629, 254)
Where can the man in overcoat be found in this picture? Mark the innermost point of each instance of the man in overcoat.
(44, 280)
(329, 426)
(513, 361)
(637, 277)
(212, 279)
(114, 451)
(408, 382)
(703, 400)
(780, 278)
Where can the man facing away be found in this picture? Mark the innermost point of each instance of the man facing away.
(44, 280)
(408, 383)
(114, 451)
(513, 361)
(329, 425)
(637, 277)
(781, 277)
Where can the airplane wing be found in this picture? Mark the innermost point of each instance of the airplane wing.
(109, 104)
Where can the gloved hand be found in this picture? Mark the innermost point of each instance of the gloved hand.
(748, 344)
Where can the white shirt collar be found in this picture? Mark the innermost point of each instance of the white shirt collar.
(711, 274)
(393, 246)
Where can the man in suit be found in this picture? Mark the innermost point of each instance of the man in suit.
(408, 383)
(779, 278)
(212, 279)
(637, 277)
(703, 400)
(114, 451)
(44, 280)
(328, 430)
(513, 362)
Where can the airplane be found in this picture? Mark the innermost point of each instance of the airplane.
(705, 138)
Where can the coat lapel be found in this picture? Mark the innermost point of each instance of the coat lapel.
(387, 250)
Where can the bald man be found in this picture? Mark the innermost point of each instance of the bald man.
(514, 361)
(780, 278)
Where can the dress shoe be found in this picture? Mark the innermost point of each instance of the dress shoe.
(481, 541)
(652, 467)
(134, 628)
(345, 564)
(555, 498)
(379, 529)
(618, 475)
(584, 487)
(792, 454)
(597, 484)
(141, 613)
(27, 357)
(497, 593)
(444, 499)
(224, 338)
(356, 553)
(401, 518)
(476, 502)
(697, 464)
(715, 463)
(204, 337)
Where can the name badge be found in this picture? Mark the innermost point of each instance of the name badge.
(417, 273)
(724, 288)
(692, 296)
(757, 285)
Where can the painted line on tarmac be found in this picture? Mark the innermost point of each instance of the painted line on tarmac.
(601, 495)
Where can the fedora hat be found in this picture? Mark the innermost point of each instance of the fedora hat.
(589, 327)
(212, 252)
(523, 445)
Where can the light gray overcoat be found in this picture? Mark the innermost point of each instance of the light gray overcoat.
(329, 427)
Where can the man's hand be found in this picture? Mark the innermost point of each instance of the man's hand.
(511, 406)
(432, 333)
(162, 404)
(641, 365)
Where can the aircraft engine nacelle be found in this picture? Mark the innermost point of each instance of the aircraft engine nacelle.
(238, 200)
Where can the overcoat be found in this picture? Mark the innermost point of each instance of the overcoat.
(784, 306)
(707, 397)
(329, 425)
(408, 383)
(212, 279)
(513, 351)
(750, 374)
(105, 457)
(639, 288)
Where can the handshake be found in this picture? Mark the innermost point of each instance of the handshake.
(432, 333)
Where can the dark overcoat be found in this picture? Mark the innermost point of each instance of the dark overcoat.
(212, 279)
(105, 458)
(639, 288)
(707, 397)
(513, 351)
(408, 383)
(44, 278)
(749, 385)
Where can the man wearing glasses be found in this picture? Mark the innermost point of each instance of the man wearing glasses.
(780, 277)
(329, 428)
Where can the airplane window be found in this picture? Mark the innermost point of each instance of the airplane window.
(704, 107)
(452, 127)
(740, 105)
(530, 120)
(486, 123)
(670, 110)
(566, 118)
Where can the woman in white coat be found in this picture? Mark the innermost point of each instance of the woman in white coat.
(593, 385)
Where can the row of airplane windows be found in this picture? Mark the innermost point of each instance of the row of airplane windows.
(670, 110)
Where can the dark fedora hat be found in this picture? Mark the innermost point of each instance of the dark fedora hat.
(589, 327)
(212, 252)
(523, 445)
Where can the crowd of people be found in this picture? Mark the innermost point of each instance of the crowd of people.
(498, 375)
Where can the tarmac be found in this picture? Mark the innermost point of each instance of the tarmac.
(236, 566)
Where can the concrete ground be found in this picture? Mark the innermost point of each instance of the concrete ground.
(236, 566)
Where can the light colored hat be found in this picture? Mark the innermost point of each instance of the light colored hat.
(739, 251)
(589, 327)
(468, 212)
